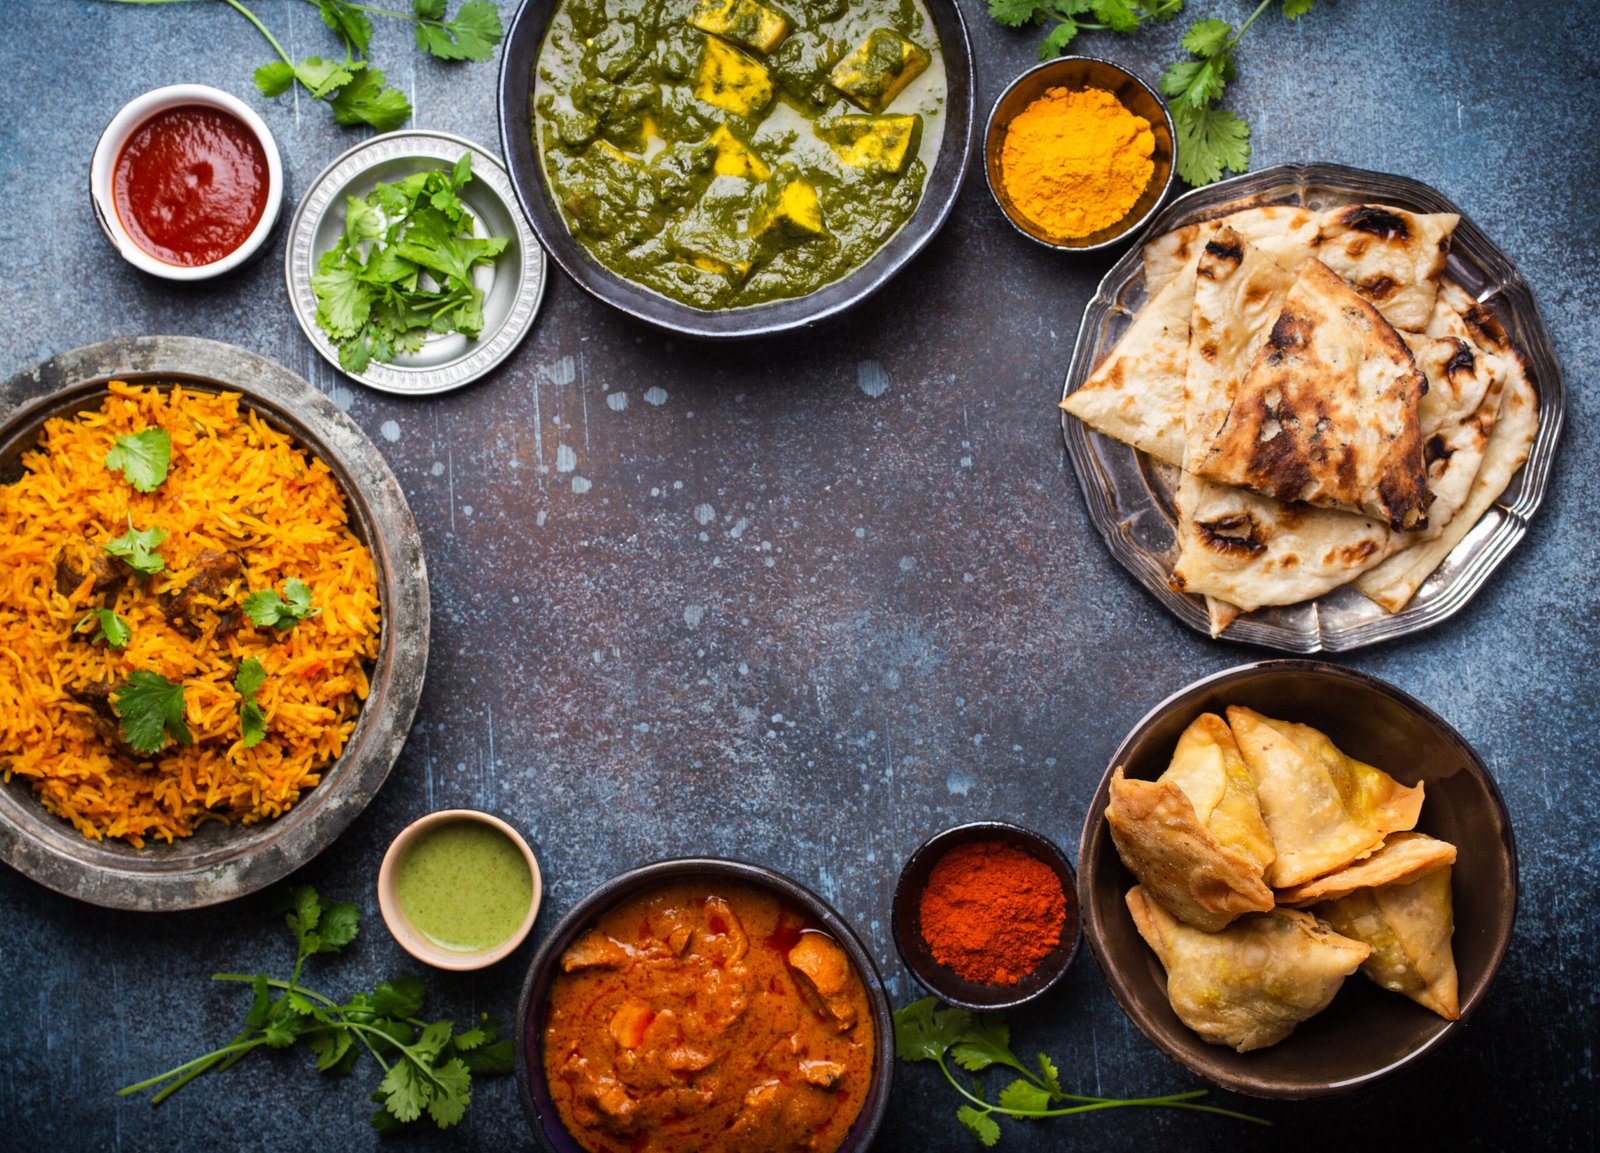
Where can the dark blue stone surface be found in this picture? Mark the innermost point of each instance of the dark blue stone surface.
(809, 601)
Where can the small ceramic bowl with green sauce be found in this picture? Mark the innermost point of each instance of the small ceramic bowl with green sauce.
(459, 889)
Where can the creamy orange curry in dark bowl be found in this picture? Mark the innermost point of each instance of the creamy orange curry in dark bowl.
(704, 1005)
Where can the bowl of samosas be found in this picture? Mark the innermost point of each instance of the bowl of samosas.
(1297, 879)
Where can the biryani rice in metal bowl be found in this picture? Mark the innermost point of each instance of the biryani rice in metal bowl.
(196, 652)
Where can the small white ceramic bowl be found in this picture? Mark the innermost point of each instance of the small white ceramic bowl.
(413, 941)
(124, 124)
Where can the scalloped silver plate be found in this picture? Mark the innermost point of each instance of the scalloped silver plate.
(513, 286)
(1130, 496)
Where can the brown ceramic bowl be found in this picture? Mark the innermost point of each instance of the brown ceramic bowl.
(945, 983)
(1075, 73)
(1366, 1033)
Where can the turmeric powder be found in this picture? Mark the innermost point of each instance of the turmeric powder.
(1075, 162)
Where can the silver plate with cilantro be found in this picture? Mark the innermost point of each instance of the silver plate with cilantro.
(512, 285)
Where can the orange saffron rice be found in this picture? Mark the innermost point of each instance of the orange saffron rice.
(244, 510)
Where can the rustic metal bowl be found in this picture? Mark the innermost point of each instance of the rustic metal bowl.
(1075, 73)
(1367, 1033)
(531, 1005)
(220, 862)
(947, 984)
(522, 45)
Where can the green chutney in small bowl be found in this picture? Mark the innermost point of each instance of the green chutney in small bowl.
(459, 889)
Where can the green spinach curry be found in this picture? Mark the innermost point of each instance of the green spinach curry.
(726, 153)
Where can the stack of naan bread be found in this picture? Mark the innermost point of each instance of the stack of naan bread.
(1340, 411)
(1271, 866)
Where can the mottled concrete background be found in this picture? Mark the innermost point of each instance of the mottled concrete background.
(808, 601)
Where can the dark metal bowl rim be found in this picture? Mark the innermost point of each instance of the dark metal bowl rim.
(937, 845)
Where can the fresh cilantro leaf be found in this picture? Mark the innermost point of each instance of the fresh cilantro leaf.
(986, 1042)
(1056, 42)
(339, 925)
(492, 1059)
(149, 710)
(334, 1050)
(364, 100)
(401, 997)
(348, 22)
(472, 35)
(452, 1093)
(302, 918)
(112, 628)
(1208, 142)
(324, 78)
(1294, 9)
(1049, 1075)
(1208, 37)
(1117, 15)
(1013, 13)
(275, 79)
(257, 1016)
(1024, 1097)
(428, 9)
(252, 720)
(142, 457)
(924, 1032)
(266, 608)
(137, 549)
(983, 1126)
(434, 1038)
(404, 1092)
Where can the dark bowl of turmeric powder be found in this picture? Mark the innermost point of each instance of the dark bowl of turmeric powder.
(986, 915)
(1079, 153)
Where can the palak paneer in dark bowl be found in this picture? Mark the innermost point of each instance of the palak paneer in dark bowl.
(725, 168)
(706, 1005)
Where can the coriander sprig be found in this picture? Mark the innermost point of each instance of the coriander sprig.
(427, 1066)
(352, 87)
(925, 1032)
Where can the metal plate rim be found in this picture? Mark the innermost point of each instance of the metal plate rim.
(490, 349)
(1320, 629)
(50, 850)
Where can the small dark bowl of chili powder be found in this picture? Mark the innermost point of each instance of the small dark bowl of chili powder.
(986, 915)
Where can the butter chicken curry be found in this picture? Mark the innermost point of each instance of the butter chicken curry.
(708, 1016)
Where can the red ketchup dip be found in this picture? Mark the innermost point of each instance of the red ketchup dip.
(190, 185)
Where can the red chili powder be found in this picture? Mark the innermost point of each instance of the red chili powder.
(991, 912)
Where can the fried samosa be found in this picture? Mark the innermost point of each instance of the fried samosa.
(1324, 809)
(1195, 838)
(1408, 927)
(1404, 857)
(1249, 985)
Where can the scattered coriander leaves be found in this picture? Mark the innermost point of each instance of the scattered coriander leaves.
(112, 628)
(403, 267)
(923, 1031)
(1210, 139)
(149, 710)
(352, 87)
(428, 1067)
(268, 609)
(137, 549)
(142, 457)
(252, 720)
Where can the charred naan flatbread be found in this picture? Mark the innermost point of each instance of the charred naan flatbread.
(1136, 393)
(1194, 837)
(1390, 256)
(1392, 583)
(1328, 411)
(1238, 291)
(1249, 985)
(1251, 550)
(1285, 231)
(1325, 809)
